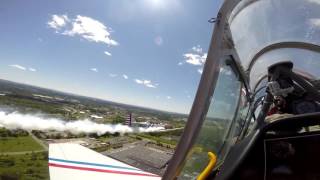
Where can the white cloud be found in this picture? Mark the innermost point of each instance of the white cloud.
(107, 53)
(197, 49)
(146, 83)
(17, 66)
(83, 26)
(150, 85)
(169, 97)
(125, 76)
(94, 69)
(315, 22)
(91, 30)
(225, 71)
(138, 81)
(158, 40)
(32, 69)
(113, 75)
(195, 59)
(58, 21)
(314, 1)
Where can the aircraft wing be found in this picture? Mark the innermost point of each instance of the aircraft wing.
(73, 161)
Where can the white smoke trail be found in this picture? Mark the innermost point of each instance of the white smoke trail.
(33, 122)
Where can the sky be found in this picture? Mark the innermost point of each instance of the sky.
(148, 53)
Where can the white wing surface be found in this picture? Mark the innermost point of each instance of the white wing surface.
(72, 161)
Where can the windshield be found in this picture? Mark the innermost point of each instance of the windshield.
(306, 63)
(223, 122)
(265, 32)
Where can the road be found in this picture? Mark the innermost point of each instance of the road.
(39, 141)
(140, 155)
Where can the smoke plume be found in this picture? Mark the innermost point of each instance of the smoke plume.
(37, 122)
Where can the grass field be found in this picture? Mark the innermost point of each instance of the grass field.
(157, 139)
(18, 144)
(31, 166)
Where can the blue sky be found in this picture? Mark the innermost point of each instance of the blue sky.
(142, 52)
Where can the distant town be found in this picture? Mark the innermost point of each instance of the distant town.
(24, 152)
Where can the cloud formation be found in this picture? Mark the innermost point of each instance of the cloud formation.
(125, 76)
(314, 1)
(169, 97)
(58, 21)
(107, 53)
(315, 22)
(196, 57)
(83, 26)
(32, 69)
(197, 49)
(146, 83)
(113, 75)
(225, 71)
(94, 69)
(17, 66)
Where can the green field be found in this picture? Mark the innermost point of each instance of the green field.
(18, 144)
(31, 166)
(157, 139)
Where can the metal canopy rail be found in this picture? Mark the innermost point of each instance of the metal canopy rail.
(204, 93)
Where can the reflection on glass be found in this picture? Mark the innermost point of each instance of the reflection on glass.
(274, 21)
(224, 119)
(305, 62)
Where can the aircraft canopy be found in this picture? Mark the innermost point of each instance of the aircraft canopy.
(266, 32)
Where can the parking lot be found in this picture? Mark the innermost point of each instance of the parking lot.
(139, 155)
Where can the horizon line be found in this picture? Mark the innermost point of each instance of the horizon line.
(86, 96)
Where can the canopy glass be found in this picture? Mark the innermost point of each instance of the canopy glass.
(263, 32)
(269, 31)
